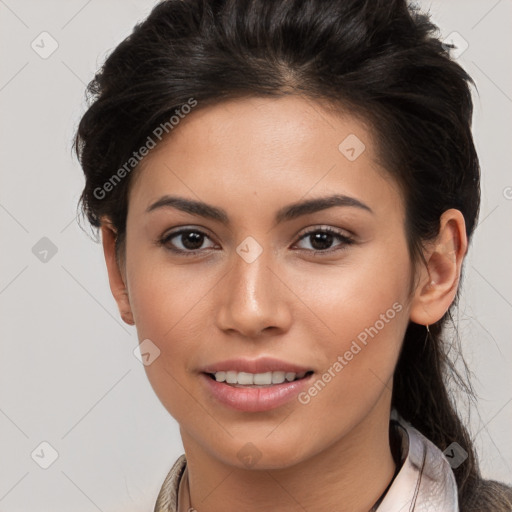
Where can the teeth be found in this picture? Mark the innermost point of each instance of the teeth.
(245, 378)
(220, 376)
(277, 377)
(257, 379)
(231, 377)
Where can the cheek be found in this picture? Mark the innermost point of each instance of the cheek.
(170, 309)
(171, 315)
(164, 298)
(359, 362)
(362, 309)
(347, 299)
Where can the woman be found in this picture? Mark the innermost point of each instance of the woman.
(286, 191)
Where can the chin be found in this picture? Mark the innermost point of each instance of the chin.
(262, 454)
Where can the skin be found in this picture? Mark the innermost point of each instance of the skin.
(251, 157)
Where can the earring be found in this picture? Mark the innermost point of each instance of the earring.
(426, 337)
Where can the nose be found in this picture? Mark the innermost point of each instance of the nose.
(252, 299)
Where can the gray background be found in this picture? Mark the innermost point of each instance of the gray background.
(68, 375)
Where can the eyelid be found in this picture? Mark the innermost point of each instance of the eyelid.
(181, 229)
(325, 227)
(345, 239)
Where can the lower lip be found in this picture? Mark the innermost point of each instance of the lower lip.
(255, 399)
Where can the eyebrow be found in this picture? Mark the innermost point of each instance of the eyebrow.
(286, 213)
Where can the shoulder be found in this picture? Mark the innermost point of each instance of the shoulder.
(489, 495)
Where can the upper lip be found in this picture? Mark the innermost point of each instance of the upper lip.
(260, 365)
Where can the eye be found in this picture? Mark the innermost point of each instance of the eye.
(186, 241)
(189, 241)
(322, 239)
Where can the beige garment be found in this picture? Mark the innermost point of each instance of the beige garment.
(184, 494)
(425, 482)
(167, 500)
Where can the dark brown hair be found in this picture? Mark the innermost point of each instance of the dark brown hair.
(379, 59)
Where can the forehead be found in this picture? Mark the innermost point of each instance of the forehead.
(269, 149)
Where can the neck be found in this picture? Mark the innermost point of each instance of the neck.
(348, 476)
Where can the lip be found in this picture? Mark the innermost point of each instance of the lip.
(260, 365)
(255, 399)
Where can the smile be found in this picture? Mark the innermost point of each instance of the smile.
(246, 379)
(255, 397)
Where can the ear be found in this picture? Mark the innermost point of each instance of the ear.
(115, 275)
(438, 282)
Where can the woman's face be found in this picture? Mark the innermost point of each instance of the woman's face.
(263, 279)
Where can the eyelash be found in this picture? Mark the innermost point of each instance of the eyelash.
(344, 239)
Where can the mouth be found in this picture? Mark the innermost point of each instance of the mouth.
(257, 380)
(255, 392)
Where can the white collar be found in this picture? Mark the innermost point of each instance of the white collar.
(425, 482)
